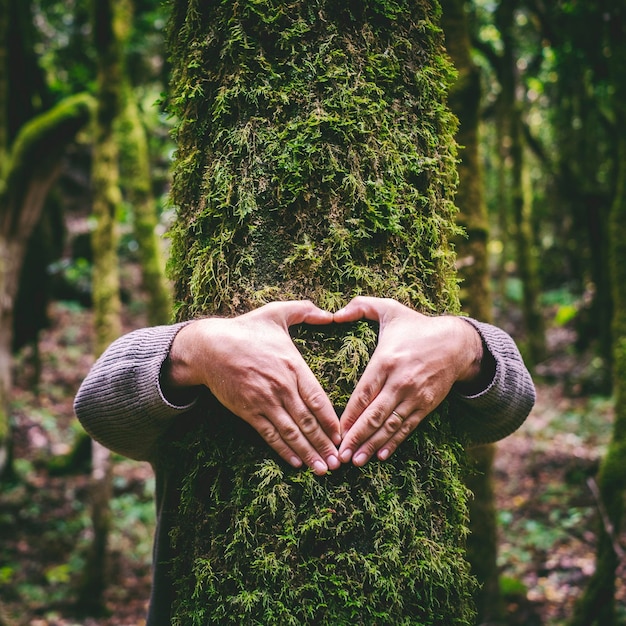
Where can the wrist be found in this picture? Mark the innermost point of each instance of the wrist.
(473, 352)
(181, 369)
(480, 366)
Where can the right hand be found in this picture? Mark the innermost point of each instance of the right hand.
(254, 369)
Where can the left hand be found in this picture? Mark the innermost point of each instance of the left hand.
(416, 362)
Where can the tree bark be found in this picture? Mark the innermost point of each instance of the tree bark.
(465, 99)
(597, 605)
(315, 160)
(30, 170)
(108, 19)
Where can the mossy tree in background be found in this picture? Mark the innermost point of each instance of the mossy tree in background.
(137, 184)
(109, 19)
(316, 160)
(465, 99)
(135, 160)
(515, 164)
(32, 141)
(597, 605)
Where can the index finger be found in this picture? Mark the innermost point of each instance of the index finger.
(364, 413)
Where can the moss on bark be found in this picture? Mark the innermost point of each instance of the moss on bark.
(315, 160)
(597, 605)
(475, 295)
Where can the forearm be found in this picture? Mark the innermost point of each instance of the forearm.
(500, 404)
(121, 403)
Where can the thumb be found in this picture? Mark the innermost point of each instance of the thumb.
(363, 307)
(300, 312)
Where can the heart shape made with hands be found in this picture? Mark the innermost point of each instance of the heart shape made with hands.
(389, 378)
(388, 381)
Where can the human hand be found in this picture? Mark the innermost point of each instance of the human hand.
(416, 362)
(253, 368)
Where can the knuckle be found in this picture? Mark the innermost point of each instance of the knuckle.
(394, 423)
(316, 401)
(308, 424)
(269, 434)
(290, 432)
(429, 398)
(365, 396)
(406, 429)
(374, 420)
(403, 381)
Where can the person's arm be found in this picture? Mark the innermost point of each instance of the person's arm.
(121, 403)
(498, 404)
(253, 368)
(418, 361)
(249, 363)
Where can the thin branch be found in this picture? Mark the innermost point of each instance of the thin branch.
(609, 529)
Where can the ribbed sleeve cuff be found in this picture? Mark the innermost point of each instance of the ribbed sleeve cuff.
(500, 408)
(120, 403)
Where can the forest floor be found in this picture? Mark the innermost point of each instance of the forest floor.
(546, 510)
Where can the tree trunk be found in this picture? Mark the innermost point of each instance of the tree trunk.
(521, 197)
(465, 98)
(315, 160)
(4, 84)
(109, 18)
(138, 186)
(597, 605)
(30, 170)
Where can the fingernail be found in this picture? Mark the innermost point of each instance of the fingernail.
(337, 439)
(319, 467)
(360, 458)
(295, 461)
(383, 455)
(333, 462)
(346, 455)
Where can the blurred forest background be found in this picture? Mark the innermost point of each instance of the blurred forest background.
(85, 152)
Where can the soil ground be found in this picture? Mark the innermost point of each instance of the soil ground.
(543, 477)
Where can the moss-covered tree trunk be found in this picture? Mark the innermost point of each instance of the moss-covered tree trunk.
(520, 192)
(137, 184)
(138, 187)
(31, 144)
(315, 160)
(597, 605)
(30, 169)
(465, 99)
(109, 18)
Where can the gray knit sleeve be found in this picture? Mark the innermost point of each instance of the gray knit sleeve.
(505, 403)
(120, 403)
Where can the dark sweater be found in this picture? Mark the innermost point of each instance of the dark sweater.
(121, 404)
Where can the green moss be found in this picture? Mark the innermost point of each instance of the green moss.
(41, 139)
(334, 153)
(316, 160)
(266, 544)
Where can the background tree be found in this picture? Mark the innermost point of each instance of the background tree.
(110, 18)
(138, 185)
(514, 177)
(32, 140)
(315, 160)
(597, 606)
(583, 163)
(472, 261)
